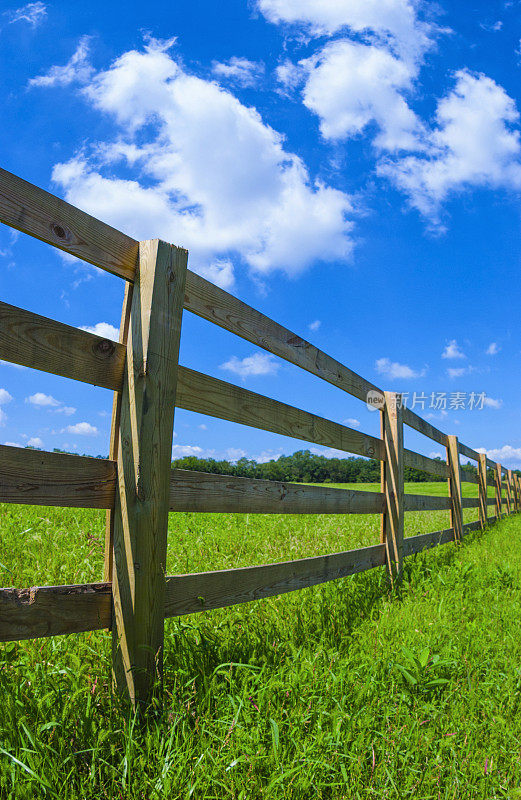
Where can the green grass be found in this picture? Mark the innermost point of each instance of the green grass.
(338, 691)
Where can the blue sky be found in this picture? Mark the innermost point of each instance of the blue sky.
(352, 168)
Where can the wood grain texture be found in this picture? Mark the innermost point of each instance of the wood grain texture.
(200, 491)
(426, 502)
(430, 465)
(498, 489)
(188, 594)
(40, 214)
(393, 517)
(207, 395)
(144, 458)
(421, 425)
(53, 610)
(508, 492)
(42, 343)
(467, 451)
(208, 301)
(32, 477)
(423, 541)
(454, 485)
(108, 559)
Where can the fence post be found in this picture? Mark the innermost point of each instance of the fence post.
(114, 435)
(515, 479)
(509, 497)
(392, 531)
(453, 464)
(497, 479)
(482, 486)
(144, 455)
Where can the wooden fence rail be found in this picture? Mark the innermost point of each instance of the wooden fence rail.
(136, 484)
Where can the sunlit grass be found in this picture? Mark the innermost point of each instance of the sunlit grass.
(338, 691)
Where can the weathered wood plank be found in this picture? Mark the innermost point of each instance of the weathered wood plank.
(421, 425)
(430, 465)
(200, 491)
(470, 502)
(508, 492)
(40, 214)
(207, 395)
(392, 482)
(108, 559)
(498, 488)
(467, 451)
(144, 458)
(188, 594)
(426, 502)
(53, 610)
(223, 309)
(41, 343)
(423, 541)
(32, 477)
(454, 485)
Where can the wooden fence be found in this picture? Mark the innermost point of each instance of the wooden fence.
(137, 485)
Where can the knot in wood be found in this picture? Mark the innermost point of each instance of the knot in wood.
(61, 232)
(105, 348)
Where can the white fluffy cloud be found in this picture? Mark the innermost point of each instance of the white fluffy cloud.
(34, 441)
(352, 85)
(493, 349)
(507, 453)
(5, 397)
(315, 325)
(182, 450)
(256, 364)
(392, 369)
(41, 400)
(82, 429)
(394, 22)
(203, 155)
(474, 144)
(104, 329)
(77, 69)
(363, 78)
(239, 70)
(352, 422)
(453, 350)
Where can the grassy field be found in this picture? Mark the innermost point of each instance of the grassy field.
(338, 691)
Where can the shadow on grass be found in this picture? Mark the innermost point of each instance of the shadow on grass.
(265, 633)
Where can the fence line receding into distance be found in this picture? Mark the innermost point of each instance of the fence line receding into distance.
(137, 485)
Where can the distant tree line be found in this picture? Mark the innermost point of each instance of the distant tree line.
(301, 467)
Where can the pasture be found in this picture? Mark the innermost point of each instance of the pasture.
(337, 691)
